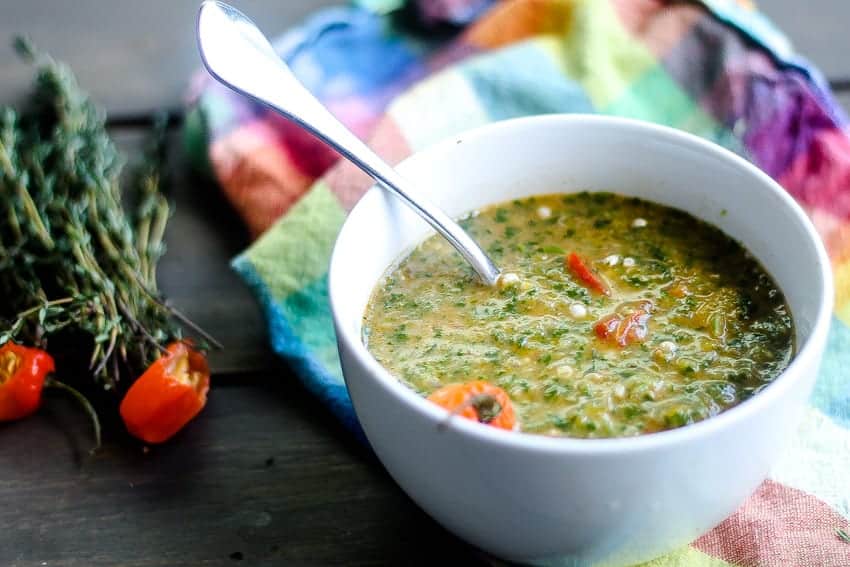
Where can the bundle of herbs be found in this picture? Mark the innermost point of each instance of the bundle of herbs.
(78, 268)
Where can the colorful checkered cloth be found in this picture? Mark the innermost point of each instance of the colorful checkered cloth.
(404, 75)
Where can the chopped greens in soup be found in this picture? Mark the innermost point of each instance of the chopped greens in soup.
(615, 316)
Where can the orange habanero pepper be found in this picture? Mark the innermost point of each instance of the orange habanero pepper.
(23, 371)
(480, 401)
(171, 392)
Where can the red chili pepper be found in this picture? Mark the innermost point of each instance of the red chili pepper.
(623, 330)
(171, 392)
(23, 371)
(479, 401)
(586, 275)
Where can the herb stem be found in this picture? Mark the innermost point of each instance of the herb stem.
(52, 303)
(83, 401)
(192, 325)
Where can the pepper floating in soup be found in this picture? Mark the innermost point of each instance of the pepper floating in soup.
(615, 316)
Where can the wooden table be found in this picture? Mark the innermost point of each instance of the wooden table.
(265, 476)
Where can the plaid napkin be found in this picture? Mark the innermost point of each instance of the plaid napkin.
(404, 75)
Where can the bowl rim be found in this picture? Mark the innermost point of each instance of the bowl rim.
(806, 355)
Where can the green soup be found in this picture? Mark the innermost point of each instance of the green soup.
(621, 316)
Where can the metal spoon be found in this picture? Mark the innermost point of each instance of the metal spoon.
(238, 54)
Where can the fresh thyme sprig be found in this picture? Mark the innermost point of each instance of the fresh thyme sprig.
(77, 269)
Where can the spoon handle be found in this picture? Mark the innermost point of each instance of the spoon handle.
(247, 64)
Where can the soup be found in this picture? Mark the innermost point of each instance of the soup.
(614, 316)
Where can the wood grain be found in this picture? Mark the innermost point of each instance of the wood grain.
(264, 474)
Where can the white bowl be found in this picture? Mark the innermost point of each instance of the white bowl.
(566, 501)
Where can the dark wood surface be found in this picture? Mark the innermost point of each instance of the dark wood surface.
(133, 56)
(264, 476)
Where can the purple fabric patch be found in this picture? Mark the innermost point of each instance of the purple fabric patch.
(782, 117)
(774, 110)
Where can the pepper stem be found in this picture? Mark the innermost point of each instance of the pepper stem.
(486, 406)
(83, 401)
